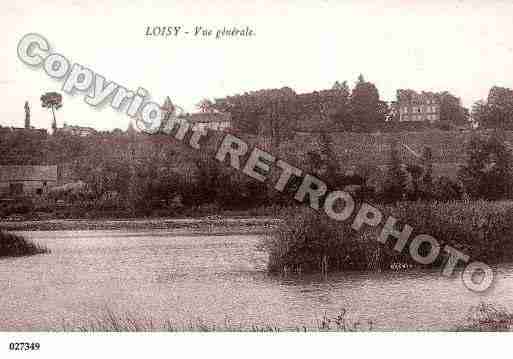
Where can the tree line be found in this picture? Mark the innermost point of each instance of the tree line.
(277, 113)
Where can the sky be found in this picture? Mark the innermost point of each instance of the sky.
(464, 47)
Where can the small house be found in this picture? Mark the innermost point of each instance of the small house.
(18, 181)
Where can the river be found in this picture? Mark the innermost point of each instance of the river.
(215, 280)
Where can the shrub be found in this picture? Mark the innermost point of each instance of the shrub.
(308, 241)
(480, 229)
(395, 184)
(446, 190)
(12, 245)
(311, 242)
(487, 173)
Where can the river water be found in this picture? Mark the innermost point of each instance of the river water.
(215, 280)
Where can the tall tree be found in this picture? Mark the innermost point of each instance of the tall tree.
(498, 110)
(342, 119)
(341, 86)
(332, 166)
(395, 183)
(451, 111)
(480, 113)
(270, 113)
(205, 105)
(487, 173)
(427, 178)
(365, 106)
(52, 100)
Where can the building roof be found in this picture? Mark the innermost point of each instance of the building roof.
(77, 128)
(40, 131)
(28, 173)
(206, 117)
(413, 96)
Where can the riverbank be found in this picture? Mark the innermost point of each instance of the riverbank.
(256, 225)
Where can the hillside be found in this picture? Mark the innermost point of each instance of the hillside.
(361, 152)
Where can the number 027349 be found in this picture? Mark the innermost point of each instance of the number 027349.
(23, 346)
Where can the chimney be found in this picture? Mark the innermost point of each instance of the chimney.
(27, 115)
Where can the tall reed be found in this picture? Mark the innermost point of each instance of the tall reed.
(309, 241)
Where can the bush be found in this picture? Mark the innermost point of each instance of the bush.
(446, 190)
(308, 241)
(12, 245)
(311, 242)
(21, 206)
(487, 173)
(480, 229)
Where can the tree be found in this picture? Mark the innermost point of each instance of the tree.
(52, 100)
(343, 87)
(415, 172)
(480, 113)
(427, 178)
(497, 111)
(205, 105)
(328, 156)
(446, 190)
(269, 113)
(451, 111)
(366, 110)
(342, 119)
(487, 173)
(395, 184)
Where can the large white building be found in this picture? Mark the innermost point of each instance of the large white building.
(413, 106)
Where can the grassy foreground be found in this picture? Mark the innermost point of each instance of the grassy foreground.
(485, 317)
(112, 322)
(12, 245)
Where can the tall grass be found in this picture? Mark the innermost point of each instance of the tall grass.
(483, 317)
(487, 317)
(112, 322)
(309, 241)
(12, 245)
(481, 229)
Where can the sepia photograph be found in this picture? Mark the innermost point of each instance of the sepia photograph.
(169, 168)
